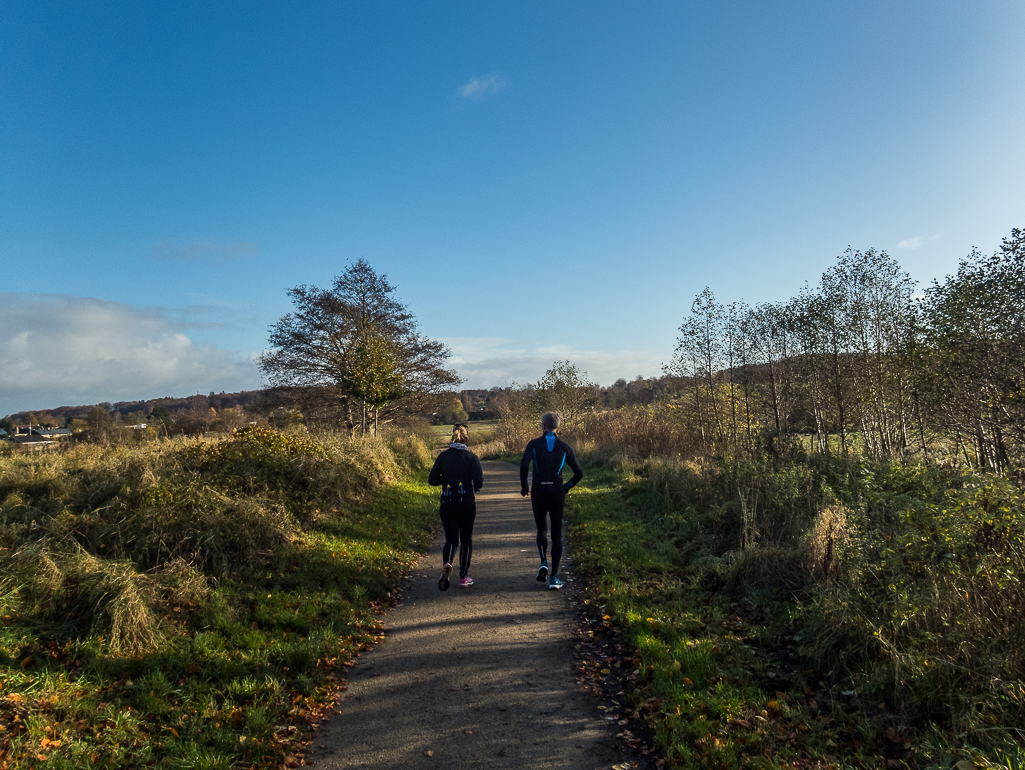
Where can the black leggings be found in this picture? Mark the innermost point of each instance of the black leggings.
(551, 507)
(457, 519)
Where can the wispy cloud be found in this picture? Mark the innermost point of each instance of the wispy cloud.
(488, 361)
(59, 350)
(918, 241)
(478, 88)
(171, 250)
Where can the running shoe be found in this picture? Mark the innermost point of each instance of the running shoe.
(542, 573)
(554, 582)
(465, 582)
(443, 580)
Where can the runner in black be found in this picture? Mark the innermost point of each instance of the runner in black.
(549, 455)
(457, 471)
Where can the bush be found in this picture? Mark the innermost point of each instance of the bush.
(647, 431)
(410, 451)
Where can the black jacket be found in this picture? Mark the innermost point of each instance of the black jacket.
(548, 465)
(457, 471)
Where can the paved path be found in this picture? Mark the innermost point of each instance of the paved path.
(478, 677)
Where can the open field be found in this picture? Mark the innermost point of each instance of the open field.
(481, 431)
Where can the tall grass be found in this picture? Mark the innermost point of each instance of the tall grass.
(219, 580)
(904, 585)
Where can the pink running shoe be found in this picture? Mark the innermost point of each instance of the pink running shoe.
(465, 582)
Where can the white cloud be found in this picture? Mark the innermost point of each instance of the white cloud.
(59, 350)
(485, 362)
(918, 241)
(480, 87)
(171, 250)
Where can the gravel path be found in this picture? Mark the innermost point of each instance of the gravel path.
(478, 677)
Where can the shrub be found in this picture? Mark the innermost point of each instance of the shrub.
(912, 578)
(410, 451)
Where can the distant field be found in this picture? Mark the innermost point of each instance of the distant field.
(443, 433)
(481, 432)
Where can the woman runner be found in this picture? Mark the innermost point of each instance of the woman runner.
(457, 471)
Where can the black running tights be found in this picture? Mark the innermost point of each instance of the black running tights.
(549, 508)
(457, 519)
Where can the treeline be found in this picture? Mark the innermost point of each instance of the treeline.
(127, 411)
(192, 415)
(480, 404)
(863, 363)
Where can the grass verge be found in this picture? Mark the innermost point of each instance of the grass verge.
(240, 653)
(746, 658)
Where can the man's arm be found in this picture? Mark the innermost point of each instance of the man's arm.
(571, 461)
(524, 467)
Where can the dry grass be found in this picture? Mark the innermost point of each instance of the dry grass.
(99, 596)
(648, 431)
(410, 451)
(98, 539)
(831, 542)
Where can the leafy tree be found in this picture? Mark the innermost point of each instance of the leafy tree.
(768, 328)
(451, 413)
(230, 419)
(195, 421)
(352, 347)
(100, 423)
(565, 389)
(162, 416)
(373, 375)
(975, 336)
(698, 360)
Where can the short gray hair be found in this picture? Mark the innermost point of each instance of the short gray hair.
(550, 421)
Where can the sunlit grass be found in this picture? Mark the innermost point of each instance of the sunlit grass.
(756, 657)
(238, 671)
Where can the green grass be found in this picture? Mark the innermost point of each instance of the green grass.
(242, 664)
(747, 658)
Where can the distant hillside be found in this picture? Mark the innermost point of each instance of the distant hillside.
(479, 404)
(63, 415)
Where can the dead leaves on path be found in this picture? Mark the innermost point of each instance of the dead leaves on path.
(598, 654)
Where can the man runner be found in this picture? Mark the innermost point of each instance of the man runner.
(549, 455)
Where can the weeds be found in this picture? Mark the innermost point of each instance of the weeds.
(191, 604)
(848, 612)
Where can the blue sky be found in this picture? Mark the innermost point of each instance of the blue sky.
(539, 180)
